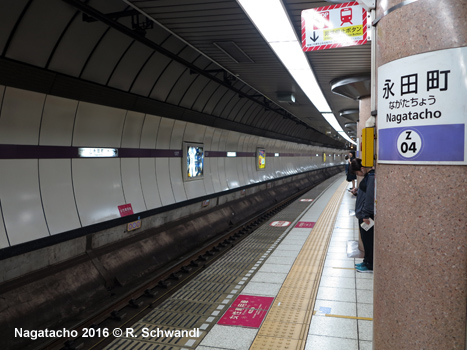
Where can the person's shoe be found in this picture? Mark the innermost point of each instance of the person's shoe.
(364, 269)
(360, 265)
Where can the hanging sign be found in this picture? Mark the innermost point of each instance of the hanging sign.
(422, 109)
(334, 26)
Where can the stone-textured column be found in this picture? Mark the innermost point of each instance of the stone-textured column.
(420, 278)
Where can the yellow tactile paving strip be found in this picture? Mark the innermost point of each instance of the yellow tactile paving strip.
(287, 323)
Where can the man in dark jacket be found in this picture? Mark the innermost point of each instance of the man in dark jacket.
(365, 210)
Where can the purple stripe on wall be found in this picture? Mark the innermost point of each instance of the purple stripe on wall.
(67, 152)
(36, 152)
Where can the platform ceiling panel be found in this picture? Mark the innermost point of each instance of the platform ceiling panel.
(209, 24)
(194, 55)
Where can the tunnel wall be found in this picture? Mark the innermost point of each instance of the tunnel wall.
(46, 189)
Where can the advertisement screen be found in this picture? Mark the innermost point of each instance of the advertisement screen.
(261, 159)
(193, 158)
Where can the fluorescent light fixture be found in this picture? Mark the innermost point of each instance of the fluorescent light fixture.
(276, 154)
(333, 121)
(231, 154)
(272, 21)
(345, 136)
(97, 152)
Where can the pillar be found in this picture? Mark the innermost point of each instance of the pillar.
(420, 267)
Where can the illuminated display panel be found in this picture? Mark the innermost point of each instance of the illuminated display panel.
(193, 161)
(260, 159)
(97, 152)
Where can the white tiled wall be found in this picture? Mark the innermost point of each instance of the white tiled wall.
(42, 197)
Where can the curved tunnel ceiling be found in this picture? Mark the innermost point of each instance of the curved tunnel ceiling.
(103, 51)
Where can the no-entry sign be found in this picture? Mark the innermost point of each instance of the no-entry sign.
(334, 26)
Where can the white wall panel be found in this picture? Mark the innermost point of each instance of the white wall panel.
(175, 164)
(250, 146)
(195, 133)
(276, 162)
(242, 171)
(132, 189)
(208, 184)
(221, 161)
(21, 200)
(3, 237)
(214, 162)
(21, 117)
(131, 137)
(163, 181)
(147, 168)
(98, 189)
(269, 159)
(162, 164)
(164, 133)
(98, 126)
(232, 165)
(57, 195)
(57, 121)
(150, 131)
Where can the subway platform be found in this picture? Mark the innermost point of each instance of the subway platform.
(289, 285)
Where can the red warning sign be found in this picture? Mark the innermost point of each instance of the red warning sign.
(305, 224)
(125, 209)
(247, 311)
(280, 223)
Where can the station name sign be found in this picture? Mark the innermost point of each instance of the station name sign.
(421, 109)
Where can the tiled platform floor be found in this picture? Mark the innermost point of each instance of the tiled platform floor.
(345, 297)
(344, 304)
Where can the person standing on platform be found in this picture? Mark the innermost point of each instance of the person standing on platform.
(351, 177)
(365, 211)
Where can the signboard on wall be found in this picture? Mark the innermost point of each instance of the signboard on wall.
(193, 161)
(260, 159)
(334, 26)
(125, 210)
(421, 109)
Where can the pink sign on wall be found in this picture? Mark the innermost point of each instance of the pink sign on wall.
(125, 209)
(247, 311)
(305, 224)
